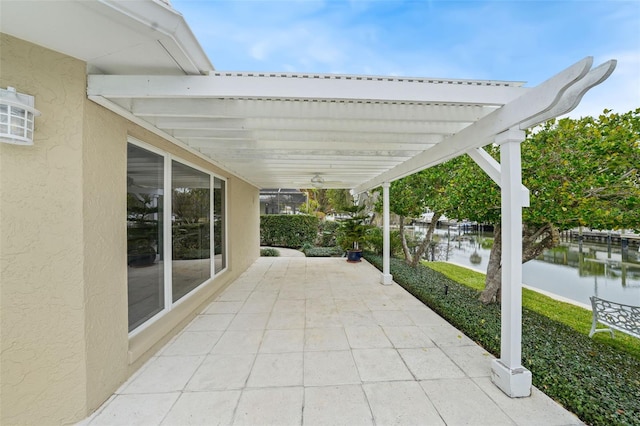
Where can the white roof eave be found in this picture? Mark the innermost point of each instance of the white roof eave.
(113, 37)
(185, 49)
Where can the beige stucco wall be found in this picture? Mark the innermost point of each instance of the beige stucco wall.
(41, 250)
(104, 244)
(63, 272)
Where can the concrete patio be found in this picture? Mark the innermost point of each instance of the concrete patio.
(318, 341)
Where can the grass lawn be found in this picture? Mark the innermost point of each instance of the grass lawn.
(574, 316)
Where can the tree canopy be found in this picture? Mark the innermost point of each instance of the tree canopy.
(580, 172)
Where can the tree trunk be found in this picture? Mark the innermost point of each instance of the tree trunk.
(422, 248)
(493, 281)
(405, 246)
(534, 242)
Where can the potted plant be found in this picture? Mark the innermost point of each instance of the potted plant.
(352, 232)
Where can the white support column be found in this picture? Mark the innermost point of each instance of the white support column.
(507, 372)
(387, 278)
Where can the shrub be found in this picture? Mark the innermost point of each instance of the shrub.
(595, 381)
(191, 240)
(323, 251)
(374, 241)
(287, 230)
(327, 231)
(269, 252)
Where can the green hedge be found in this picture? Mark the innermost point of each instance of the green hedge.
(291, 231)
(599, 384)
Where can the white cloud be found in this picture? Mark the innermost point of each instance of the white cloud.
(260, 50)
(475, 40)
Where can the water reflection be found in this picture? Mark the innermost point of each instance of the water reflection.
(574, 271)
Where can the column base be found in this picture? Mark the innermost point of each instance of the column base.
(516, 383)
(386, 279)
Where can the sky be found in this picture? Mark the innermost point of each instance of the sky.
(527, 41)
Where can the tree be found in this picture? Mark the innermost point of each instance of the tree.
(339, 199)
(191, 205)
(579, 172)
(311, 206)
(327, 200)
(410, 197)
(353, 230)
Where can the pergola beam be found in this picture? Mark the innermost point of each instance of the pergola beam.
(311, 125)
(300, 109)
(215, 144)
(303, 154)
(314, 136)
(289, 86)
(573, 95)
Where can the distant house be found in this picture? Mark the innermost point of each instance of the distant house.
(281, 201)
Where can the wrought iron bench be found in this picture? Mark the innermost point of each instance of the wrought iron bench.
(624, 318)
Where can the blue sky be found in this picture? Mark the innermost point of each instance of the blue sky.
(496, 40)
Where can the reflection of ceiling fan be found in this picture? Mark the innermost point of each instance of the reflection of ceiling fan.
(318, 181)
(132, 183)
(137, 190)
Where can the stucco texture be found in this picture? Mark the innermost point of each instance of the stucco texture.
(41, 254)
(63, 272)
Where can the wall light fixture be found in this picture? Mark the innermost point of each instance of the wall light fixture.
(17, 115)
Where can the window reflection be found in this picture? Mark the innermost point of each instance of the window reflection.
(145, 278)
(191, 228)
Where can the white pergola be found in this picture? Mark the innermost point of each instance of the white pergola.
(361, 132)
(283, 130)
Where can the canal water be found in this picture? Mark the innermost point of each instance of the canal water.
(569, 271)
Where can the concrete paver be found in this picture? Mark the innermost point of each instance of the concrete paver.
(319, 341)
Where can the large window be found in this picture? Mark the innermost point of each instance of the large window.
(180, 226)
(191, 228)
(145, 195)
